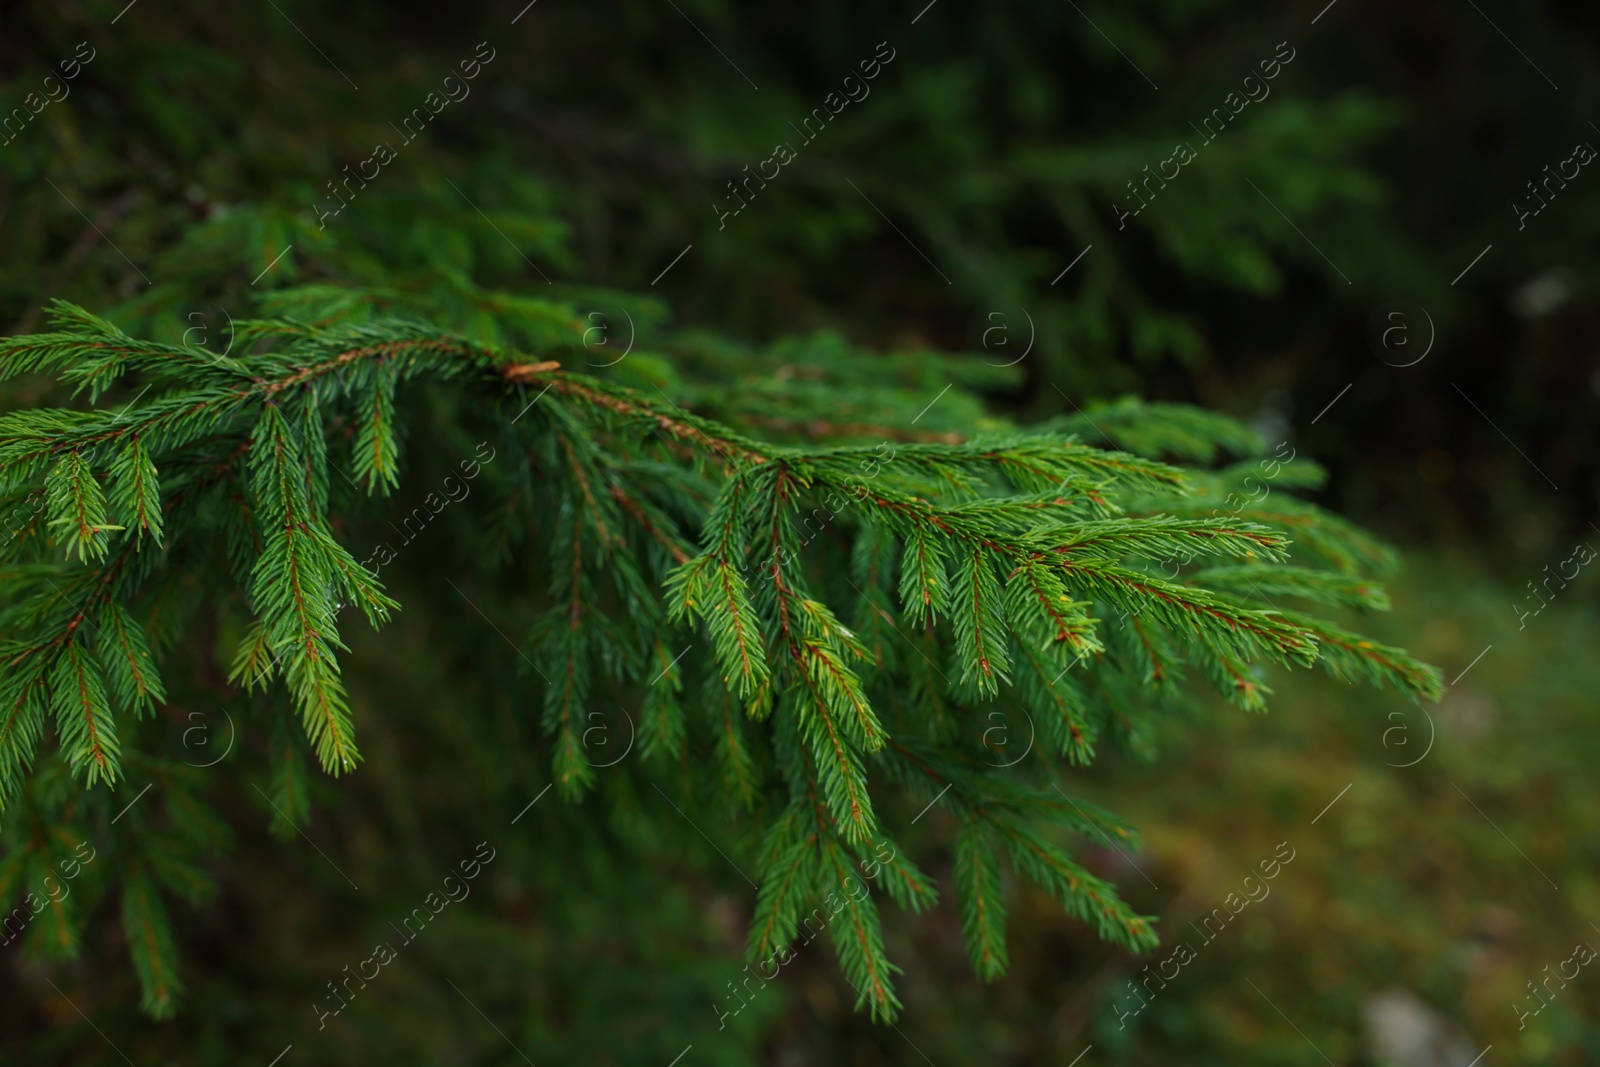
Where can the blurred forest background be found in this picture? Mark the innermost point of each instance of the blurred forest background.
(966, 202)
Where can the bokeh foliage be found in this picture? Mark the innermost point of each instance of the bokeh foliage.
(590, 153)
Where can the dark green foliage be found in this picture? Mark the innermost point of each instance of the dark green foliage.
(841, 667)
(1028, 576)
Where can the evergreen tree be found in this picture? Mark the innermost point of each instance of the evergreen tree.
(707, 557)
(825, 623)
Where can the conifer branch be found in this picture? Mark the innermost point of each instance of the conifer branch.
(1031, 568)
